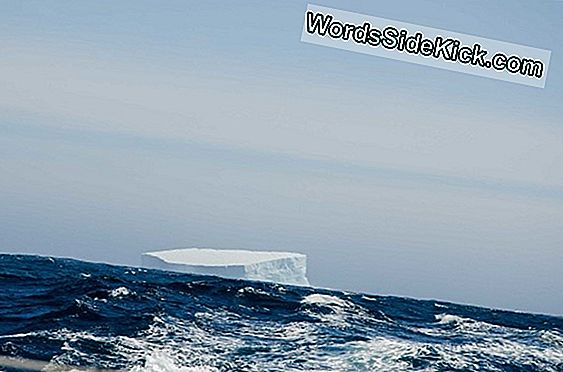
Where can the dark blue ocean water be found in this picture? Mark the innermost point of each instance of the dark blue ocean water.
(73, 313)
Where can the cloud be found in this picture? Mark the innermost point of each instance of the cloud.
(79, 89)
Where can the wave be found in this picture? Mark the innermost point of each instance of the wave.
(63, 312)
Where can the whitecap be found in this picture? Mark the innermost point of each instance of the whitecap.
(162, 362)
(120, 292)
(322, 299)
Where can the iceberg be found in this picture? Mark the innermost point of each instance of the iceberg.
(279, 267)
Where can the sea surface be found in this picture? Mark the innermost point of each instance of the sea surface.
(61, 314)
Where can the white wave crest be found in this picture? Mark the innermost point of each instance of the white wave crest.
(162, 362)
(120, 292)
(321, 299)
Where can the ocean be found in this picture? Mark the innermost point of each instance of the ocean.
(62, 314)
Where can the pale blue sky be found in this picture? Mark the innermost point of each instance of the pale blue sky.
(129, 126)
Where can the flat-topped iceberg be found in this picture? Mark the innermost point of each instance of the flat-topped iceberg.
(280, 267)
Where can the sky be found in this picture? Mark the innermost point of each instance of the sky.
(140, 125)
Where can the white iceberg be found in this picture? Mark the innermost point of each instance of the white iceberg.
(279, 267)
